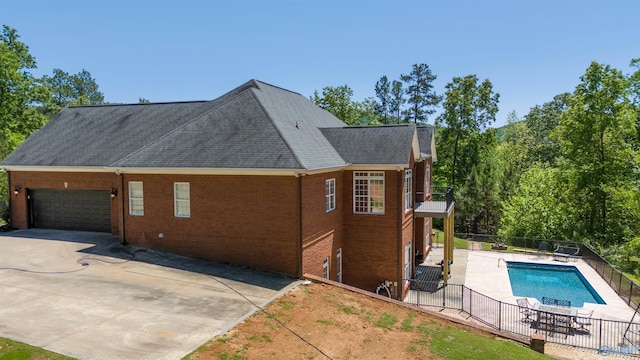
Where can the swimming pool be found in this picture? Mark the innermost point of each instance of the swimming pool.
(555, 281)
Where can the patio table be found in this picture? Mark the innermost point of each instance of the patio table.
(554, 318)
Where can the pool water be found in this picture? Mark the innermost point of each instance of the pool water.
(554, 281)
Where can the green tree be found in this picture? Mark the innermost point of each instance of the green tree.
(422, 98)
(469, 107)
(397, 100)
(21, 94)
(596, 134)
(383, 93)
(540, 206)
(511, 157)
(541, 121)
(75, 89)
(477, 200)
(337, 100)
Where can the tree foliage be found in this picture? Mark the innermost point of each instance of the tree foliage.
(337, 100)
(383, 93)
(20, 92)
(539, 207)
(596, 133)
(422, 99)
(74, 89)
(469, 107)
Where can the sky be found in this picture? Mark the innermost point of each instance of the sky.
(199, 50)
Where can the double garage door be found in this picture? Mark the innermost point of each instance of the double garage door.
(86, 210)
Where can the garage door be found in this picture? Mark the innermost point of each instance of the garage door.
(87, 210)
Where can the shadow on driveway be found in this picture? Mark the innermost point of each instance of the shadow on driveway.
(105, 244)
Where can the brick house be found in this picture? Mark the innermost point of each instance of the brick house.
(259, 177)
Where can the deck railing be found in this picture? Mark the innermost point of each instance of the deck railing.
(606, 336)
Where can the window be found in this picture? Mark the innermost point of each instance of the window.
(330, 193)
(427, 178)
(325, 268)
(407, 263)
(181, 200)
(368, 192)
(339, 265)
(136, 198)
(407, 190)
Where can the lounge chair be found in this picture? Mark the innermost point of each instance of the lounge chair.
(525, 309)
(583, 319)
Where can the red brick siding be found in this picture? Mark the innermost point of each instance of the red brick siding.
(321, 230)
(245, 220)
(56, 180)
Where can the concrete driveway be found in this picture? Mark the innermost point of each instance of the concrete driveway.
(84, 295)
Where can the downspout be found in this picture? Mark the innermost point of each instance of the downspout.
(121, 234)
(400, 287)
(10, 223)
(299, 225)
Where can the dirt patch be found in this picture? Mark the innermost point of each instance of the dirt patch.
(317, 320)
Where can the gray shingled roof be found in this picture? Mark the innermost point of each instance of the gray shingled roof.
(373, 145)
(255, 126)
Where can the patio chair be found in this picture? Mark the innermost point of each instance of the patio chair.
(582, 320)
(542, 249)
(548, 301)
(525, 309)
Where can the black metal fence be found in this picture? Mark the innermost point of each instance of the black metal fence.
(625, 287)
(525, 243)
(606, 336)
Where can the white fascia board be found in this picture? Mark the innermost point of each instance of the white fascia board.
(415, 145)
(159, 171)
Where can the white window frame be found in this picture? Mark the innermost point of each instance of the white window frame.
(427, 179)
(325, 268)
(330, 194)
(408, 188)
(339, 264)
(407, 263)
(136, 202)
(181, 203)
(365, 197)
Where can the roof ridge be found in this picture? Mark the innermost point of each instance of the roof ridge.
(196, 118)
(283, 138)
(135, 104)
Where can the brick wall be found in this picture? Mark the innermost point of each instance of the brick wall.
(322, 231)
(245, 220)
(371, 240)
(57, 180)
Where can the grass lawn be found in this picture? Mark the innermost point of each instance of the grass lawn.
(18, 351)
(458, 243)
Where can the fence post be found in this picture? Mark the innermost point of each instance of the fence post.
(499, 315)
(444, 296)
(600, 336)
